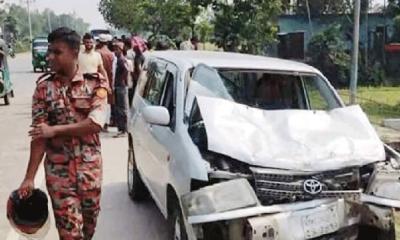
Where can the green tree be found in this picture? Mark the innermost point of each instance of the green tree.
(246, 26)
(16, 22)
(327, 52)
(156, 16)
(393, 7)
(320, 7)
(204, 29)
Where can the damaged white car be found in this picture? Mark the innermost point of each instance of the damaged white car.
(243, 147)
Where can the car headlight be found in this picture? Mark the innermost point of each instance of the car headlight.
(385, 181)
(221, 197)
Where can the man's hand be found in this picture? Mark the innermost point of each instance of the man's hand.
(26, 188)
(42, 130)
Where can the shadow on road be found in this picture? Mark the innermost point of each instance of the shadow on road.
(121, 217)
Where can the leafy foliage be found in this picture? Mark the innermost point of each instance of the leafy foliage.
(238, 25)
(156, 16)
(319, 7)
(17, 29)
(204, 30)
(327, 52)
(393, 7)
(245, 26)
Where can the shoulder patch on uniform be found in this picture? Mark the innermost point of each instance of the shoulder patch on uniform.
(101, 92)
(46, 77)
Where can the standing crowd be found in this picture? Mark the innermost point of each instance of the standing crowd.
(120, 61)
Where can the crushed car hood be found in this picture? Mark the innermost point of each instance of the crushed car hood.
(303, 140)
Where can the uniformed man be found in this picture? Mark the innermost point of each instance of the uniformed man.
(68, 112)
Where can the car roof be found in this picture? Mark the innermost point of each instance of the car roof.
(189, 59)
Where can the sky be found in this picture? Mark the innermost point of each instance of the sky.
(86, 9)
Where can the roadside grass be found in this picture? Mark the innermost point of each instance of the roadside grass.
(377, 102)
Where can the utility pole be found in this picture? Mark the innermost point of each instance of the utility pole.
(354, 62)
(29, 19)
(48, 20)
(28, 3)
(309, 19)
(366, 45)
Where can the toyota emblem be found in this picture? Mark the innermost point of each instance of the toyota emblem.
(312, 186)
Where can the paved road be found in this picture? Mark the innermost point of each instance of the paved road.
(119, 219)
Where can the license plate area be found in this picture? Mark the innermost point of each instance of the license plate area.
(319, 223)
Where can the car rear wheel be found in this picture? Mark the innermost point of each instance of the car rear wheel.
(136, 188)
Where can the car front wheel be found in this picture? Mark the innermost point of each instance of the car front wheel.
(136, 188)
(176, 225)
(373, 233)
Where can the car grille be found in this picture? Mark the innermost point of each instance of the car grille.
(278, 186)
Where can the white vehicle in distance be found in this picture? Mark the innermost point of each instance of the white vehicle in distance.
(244, 147)
(96, 33)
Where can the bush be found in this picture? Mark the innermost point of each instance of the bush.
(327, 52)
(22, 46)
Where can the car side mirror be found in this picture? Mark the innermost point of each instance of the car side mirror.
(156, 115)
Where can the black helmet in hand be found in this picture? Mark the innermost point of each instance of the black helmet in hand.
(29, 216)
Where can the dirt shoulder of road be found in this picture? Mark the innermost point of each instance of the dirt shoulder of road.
(389, 136)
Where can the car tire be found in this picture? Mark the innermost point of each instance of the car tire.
(373, 233)
(6, 100)
(176, 225)
(136, 188)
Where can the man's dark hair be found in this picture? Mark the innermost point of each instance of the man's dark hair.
(66, 35)
(128, 43)
(87, 36)
(194, 39)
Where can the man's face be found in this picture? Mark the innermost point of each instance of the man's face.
(61, 56)
(118, 51)
(88, 44)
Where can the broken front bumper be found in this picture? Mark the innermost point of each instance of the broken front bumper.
(234, 202)
(296, 221)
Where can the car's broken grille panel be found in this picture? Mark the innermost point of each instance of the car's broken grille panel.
(272, 188)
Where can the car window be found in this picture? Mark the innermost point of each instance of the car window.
(209, 79)
(317, 96)
(155, 76)
(168, 99)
